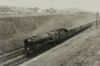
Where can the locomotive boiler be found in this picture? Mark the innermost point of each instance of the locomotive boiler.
(45, 41)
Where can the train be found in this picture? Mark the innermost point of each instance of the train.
(45, 41)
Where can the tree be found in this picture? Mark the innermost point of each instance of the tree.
(35, 9)
(51, 10)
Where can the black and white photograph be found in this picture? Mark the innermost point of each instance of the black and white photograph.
(49, 32)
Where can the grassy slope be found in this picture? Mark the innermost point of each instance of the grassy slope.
(15, 29)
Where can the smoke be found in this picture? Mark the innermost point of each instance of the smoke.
(52, 24)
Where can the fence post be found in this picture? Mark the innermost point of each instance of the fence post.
(97, 14)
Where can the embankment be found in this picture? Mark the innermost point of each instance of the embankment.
(78, 51)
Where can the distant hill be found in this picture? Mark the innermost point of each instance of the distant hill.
(4, 10)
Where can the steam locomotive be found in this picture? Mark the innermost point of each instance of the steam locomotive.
(41, 42)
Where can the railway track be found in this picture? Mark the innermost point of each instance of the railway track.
(13, 58)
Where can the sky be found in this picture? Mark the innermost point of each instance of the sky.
(88, 5)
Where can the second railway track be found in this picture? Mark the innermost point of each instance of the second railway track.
(13, 58)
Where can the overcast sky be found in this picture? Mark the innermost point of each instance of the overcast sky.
(89, 5)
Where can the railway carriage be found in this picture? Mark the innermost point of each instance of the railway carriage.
(45, 41)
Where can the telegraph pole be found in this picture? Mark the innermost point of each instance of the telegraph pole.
(97, 14)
